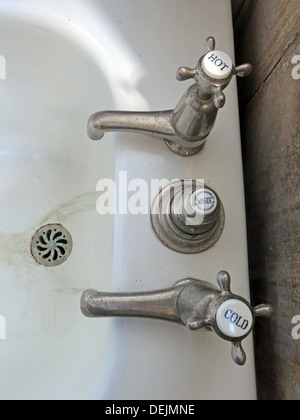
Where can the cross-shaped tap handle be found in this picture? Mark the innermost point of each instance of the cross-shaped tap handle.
(214, 72)
(232, 317)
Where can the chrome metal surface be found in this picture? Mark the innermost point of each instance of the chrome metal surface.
(193, 303)
(178, 226)
(185, 128)
(183, 151)
(51, 245)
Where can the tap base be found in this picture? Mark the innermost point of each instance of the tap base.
(182, 150)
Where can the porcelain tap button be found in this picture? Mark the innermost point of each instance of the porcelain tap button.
(234, 318)
(217, 64)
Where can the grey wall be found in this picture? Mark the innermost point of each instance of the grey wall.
(267, 35)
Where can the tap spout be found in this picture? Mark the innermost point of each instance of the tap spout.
(176, 304)
(155, 123)
(158, 305)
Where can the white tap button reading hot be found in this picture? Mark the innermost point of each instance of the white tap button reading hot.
(204, 202)
(217, 64)
(234, 318)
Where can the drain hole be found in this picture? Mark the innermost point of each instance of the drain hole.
(41, 249)
(43, 240)
(62, 250)
(51, 245)
(47, 255)
(57, 235)
(62, 241)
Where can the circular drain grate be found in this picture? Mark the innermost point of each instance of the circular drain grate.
(51, 245)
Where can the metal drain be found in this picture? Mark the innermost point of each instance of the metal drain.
(51, 245)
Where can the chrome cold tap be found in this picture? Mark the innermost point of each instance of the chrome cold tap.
(193, 303)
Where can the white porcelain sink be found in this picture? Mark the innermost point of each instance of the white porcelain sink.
(63, 63)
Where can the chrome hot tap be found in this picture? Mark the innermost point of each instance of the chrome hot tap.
(186, 128)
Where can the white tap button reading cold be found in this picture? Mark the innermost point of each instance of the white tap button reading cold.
(234, 319)
(217, 64)
(204, 201)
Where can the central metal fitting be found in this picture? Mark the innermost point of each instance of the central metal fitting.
(188, 217)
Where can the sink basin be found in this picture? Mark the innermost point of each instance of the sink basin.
(63, 63)
(48, 170)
